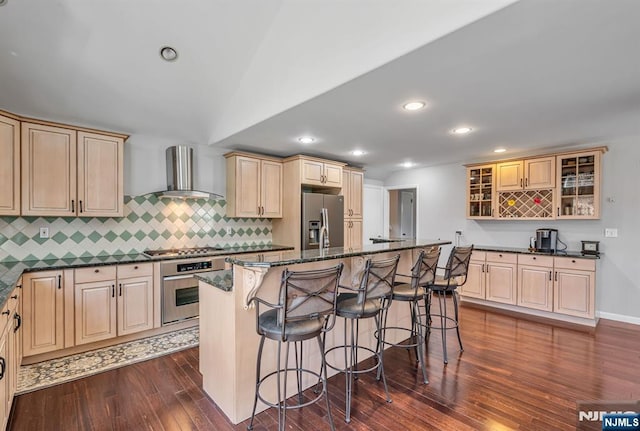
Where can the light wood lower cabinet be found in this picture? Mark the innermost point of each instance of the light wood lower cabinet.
(43, 318)
(112, 301)
(10, 353)
(501, 277)
(560, 287)
(574, 287)
(535, 282)
(353, 234)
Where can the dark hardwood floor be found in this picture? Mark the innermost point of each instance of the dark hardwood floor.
(513, 374)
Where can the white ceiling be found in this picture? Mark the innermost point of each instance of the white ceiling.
(257, 74)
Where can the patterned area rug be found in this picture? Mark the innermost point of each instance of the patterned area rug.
(56, 371)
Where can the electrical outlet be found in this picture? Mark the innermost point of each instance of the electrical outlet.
(229, 230)
(44, 232)
(611, 233)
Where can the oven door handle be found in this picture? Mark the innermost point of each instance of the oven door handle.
(177, 277)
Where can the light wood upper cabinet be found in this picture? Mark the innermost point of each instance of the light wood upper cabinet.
(254, 186)
(317, 172)
(48, 170)
(43, 319)
(100, 175)
(481, 191)
(578, 186)
(352, 182)
(68, 173)
(9, 166)
(526, 174)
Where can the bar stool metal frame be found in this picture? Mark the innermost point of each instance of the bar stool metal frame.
(369, 300)
(422, 273)
(305, 310)
(455, 275)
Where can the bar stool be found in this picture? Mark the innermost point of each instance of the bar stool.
(422, 273)
(455, 275)
(369, 300)
(305, 310)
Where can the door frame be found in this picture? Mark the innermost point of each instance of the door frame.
(386, 206)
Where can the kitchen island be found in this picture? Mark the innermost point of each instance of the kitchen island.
(228, 338)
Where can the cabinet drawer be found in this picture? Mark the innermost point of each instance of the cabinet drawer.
(135, 270)
(95, 273)
(524, 259)
(478, 255)
(502, 257)
(575, 263)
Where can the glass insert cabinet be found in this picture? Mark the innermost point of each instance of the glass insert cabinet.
(578, 186)
(572, 193)
(481, 191)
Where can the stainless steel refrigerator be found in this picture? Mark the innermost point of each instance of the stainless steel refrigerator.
(318, 211)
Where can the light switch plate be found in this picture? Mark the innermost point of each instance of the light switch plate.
(611, 233)
(229, 230)
(44, 232)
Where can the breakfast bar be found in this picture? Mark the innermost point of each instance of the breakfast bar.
(228, 338)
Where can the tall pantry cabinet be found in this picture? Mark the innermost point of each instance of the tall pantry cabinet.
(9, 166)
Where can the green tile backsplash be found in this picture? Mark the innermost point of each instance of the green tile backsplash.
(148, 223)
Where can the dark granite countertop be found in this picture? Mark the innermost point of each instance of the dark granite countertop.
(501, 249)
(10, 272)
(315, 255)
(222, 279)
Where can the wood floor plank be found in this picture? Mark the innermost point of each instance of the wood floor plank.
(513, 374)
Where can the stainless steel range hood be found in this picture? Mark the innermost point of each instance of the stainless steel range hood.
(180, 176)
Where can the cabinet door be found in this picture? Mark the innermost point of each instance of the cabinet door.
(100, 175)
(247, 179)
(540, 173)
(4, 380)
(135, 305)
(9, 166)
(356, 180)
(510, 176)
(332, 175)
(313, 172)
(535, 287)
(354, 232)
(501, 282)
(481, 192)
(95, 311)
(271, 189)
(43, 318)
(48, 171)
(475, 285)
(346, 175)
(578, 186)
(574, 293)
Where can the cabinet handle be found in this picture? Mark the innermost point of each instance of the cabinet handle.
(558, 211)
(262, 209)
(120, 294)
(19, 286)
(80, 205)
(573, 261)
(73, 206)
(113, 290)
(135, 267)
(59, 282)
(526, 182)
(14, 297)
(556, 276)
(3, 367)
(7, 312)
(96, 271)
(18, 319)
(520, 182)
(534, 258)
(549, 275)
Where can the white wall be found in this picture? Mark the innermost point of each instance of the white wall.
(441, 207)
(145, 166)
(372, 214)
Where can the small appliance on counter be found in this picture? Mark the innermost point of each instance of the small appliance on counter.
(591, 248)
(546, 240)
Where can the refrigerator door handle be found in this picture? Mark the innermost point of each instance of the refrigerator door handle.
(325, 223)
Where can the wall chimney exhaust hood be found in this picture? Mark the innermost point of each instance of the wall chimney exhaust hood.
(180, 176)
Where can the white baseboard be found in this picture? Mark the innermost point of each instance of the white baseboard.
(618, 317)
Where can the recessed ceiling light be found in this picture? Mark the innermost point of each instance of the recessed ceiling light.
(358, 153)
(461, 130)
(407, 165)
(306, 140)
(413, 106)
(169, 54)
(499, 150)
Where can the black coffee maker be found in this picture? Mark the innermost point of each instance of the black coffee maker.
(547, 240)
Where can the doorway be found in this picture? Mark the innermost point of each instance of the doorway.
(402, 213)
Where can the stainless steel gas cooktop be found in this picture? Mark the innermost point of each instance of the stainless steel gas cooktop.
(195, 251)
